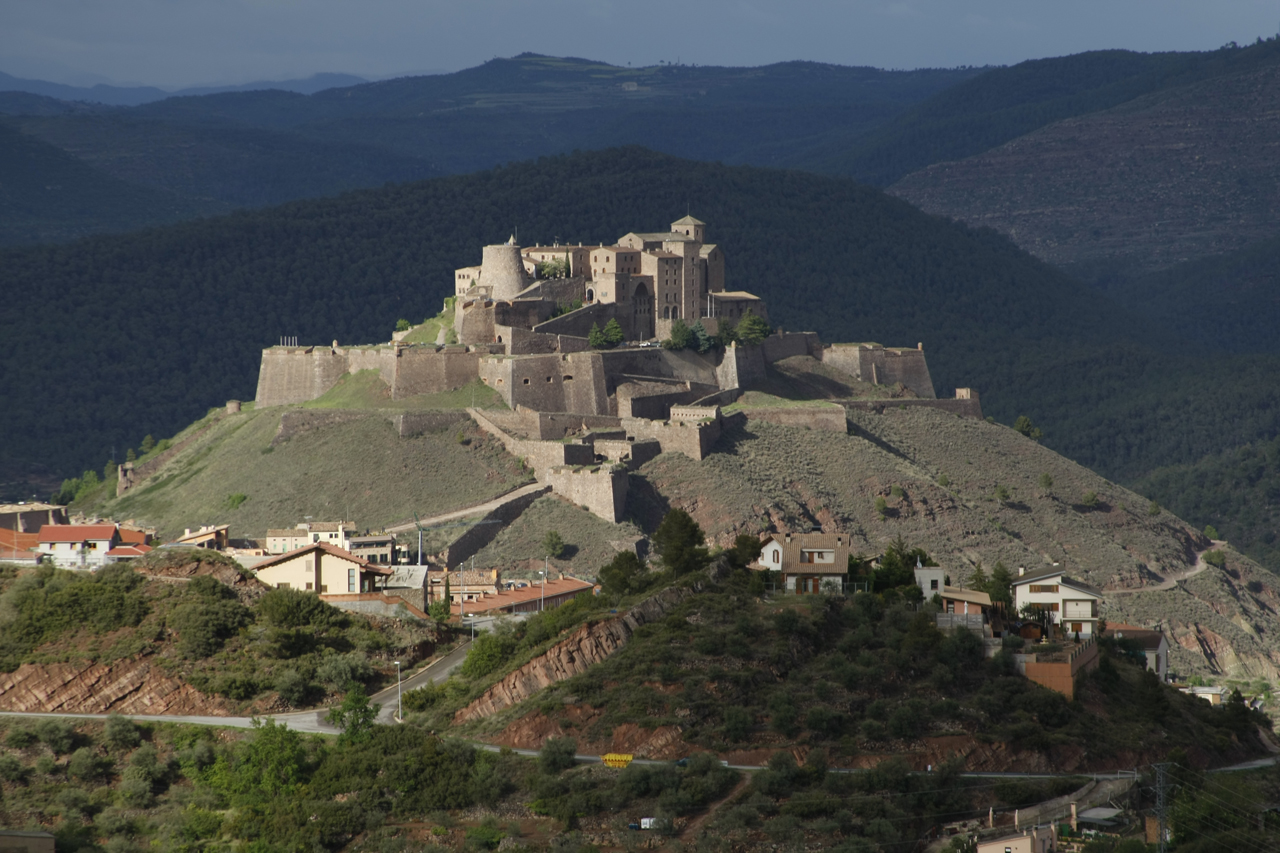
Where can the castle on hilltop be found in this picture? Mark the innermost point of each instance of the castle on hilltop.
(645, 282)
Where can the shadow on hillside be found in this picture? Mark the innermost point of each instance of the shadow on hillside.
(645, 505)
(859, 432)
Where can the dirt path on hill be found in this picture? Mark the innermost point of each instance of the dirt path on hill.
(478, 509)
(695, 826)
(1172, 580)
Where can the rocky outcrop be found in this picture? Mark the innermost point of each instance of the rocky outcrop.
(585, 647)
(126, 687)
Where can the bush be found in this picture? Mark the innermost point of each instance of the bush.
(1090, 500)
(121, 733)
(19, 737)
(56, 735)
(293, 687)
(205, 621)
(1216, 558)
(553, 545)
(340, 671)
(622, 575)
(11, 769)
(136, 793)
(679, 542)
(86, 765)
(557, 754)
(488, 652)
(1211, 532)
(292, 608)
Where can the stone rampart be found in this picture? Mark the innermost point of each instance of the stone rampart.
(694, 440)
(474, 321)
(880, 365)
(380, 358)
(653, 400)
(633, 454)
(426, 370)
(409, 424)
(782, 345)
(601, 489)
(291, 375)
(684, 365)
(740, 366)
(130, 474)
(557, 382)
(970, 408)
(828, 418)
(538, 455)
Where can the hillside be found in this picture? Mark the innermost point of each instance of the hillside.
(1181, 173)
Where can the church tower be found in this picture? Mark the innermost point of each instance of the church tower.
(690, 227)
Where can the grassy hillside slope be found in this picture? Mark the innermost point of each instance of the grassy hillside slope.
(346, 464)
(939, 476)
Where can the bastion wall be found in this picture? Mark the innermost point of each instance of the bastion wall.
(882, 366)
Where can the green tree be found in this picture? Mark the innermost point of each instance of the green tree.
(898, 564)
(745, 550)
(978, 579)
(130, 455)
(1211, 531)
(752, 330)
(355, 716)
(557, 754)
(552, 544)
(488, 652)
(681, 336)
(1046, 482)
(1090, 500)
(702, 341)
(1000, 587)
(148, 444)
(595, 338)
(679, 541)
(613, 334)
(1024, 425)
(402, 325)
(622, 575)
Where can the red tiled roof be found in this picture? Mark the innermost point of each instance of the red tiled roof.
(328, 549)
(129, 550)
(133, 537)
(533, 592)
(76, 532)
(15, 541)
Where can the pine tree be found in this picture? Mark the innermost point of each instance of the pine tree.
(752, 329)
(613, 334)
(595, 338)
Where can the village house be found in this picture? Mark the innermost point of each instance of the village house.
(1072, 605)
(321, 568)
(525, 598)
(213, 536)
(21, 548)
(1040, 839)
(336, 533)
(1152, 642)
(809, 562)
(932, 581)
(78, 546)
(377, 548)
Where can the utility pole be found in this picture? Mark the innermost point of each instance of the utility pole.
(1162, 806)
(399, 700)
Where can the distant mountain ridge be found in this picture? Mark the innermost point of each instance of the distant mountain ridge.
(132, 96)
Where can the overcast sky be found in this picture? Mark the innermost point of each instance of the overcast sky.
(175, 43)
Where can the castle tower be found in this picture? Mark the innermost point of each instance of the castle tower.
(502, 270)
(691, 227)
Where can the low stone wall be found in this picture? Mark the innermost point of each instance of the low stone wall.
(970, 408)
(539, 455)
(653, 400)
(294, 422)
(880, 365)
(409, 424)
(373, 603)
(631, 453)
(782, 345)
(828, 418)
(130, 474)
(601, 489)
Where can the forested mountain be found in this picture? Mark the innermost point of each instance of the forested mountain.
(1180, 173)
(152, 328)
(267, 147)
(130, 96)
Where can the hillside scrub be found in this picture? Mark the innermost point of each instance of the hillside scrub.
(232, 642)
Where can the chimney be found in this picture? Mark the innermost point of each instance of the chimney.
(1075, 826)
(187, 532)
(1022, 570)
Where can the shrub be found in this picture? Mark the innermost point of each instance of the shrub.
(204, 622)
(292, 608)
(402, 325)
(56, 735)
(557, 754)
(136, 793)
(1153, 508)
(234, 501)
(1002, 494)
(679, 541)
(1090, 500)
(1046, 481)
(882, 506)
(488, 652)
(339, 671)
(1211, 531)
(11, 769)
(19, 737)
(86, 765)
(293, 687)
(1216, 558)
(622, 575)
(121, 733)
(552, 544)
(422, 698)
(944, 480)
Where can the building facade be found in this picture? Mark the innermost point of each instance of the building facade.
(323, 569)
(1072, 604)
(78, 546)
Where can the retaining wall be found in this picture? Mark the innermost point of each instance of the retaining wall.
(1062, 676)
(409, 424)
(880, 365)
(828, 418)
(130, 474)
(290, 375)
(375, 603)
(475, 538)
(970, 408)
(694, 440)
(602, 489)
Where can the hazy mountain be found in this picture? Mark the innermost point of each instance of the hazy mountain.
(132, 96)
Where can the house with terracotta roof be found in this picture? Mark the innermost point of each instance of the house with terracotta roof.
(323, 569)
(124, 552)
(809, 562)
(22, 548)
(215, 536)
(78, 546)
(932, 581)
(524, 599)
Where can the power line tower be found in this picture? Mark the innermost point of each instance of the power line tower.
(1162, 806)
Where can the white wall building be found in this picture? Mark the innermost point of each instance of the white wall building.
(78, 546)
(1073, 605)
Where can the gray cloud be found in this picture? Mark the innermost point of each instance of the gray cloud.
(173, 43)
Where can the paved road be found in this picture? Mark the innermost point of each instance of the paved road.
(478, 509)
(433, 673)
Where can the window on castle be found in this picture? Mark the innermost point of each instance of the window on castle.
(526, 382)
(548, 378)
(568, 378)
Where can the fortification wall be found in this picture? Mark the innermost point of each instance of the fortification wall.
(381, 359)
(578, 323)
(969, 408)
(557, 382)
(553, 426)
(782, 345)
(654, 400)
(130, 474)
(474, 322)
(740, 366)
(633, 454)
(684, 365)
(694, 440)
(602, 490)
(291, 375)
(539, 455)
(881, 366)
(409, 424)
(828, 418)
(424, 370)
(520, 341)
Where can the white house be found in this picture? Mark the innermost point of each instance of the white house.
(809, 562)
(932, 581)
(78, 546)
(321, 568)
(1073, 605)
(1152, 642)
